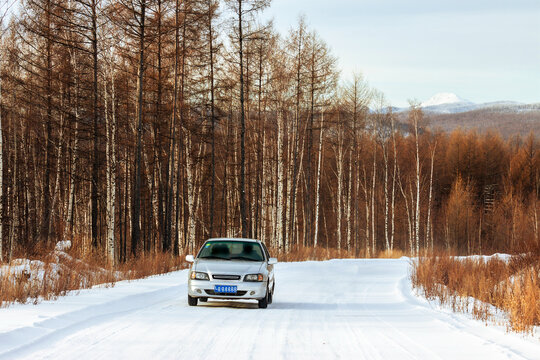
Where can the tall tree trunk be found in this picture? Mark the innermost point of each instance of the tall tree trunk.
(136, 206)
(15, 200)
(428, 221)
(68, 229)
(95, 162)
(243, 208)
(394, 174)
(318, 185)
(367, 203)
(111, 170)
(57, 178)
(408, 211)
(339, 169)
(415, 115)
(45, 217)
(281, 210)
(191, 181)
(160, 192)
(1, 161)
(169, 179)
(213, 119)
(373, 217)
(349, 201)
(386, 201)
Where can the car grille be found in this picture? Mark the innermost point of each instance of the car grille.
(226, 277)
(238, 293)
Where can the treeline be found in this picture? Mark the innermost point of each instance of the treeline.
(135, 127)
(507, 123)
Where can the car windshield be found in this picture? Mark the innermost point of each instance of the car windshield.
(231, 250)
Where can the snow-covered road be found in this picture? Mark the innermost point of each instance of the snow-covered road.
(349, 309)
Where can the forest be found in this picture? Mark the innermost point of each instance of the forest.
(147, 126)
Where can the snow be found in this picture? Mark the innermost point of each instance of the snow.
(63, 245)
(32, 270)
(443, 98)
(351, 309)
(485, 258)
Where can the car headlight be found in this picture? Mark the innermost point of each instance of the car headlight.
(195, 275)
(254, 277)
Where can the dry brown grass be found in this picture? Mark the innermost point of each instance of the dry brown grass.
(391, 254)
(302, 253)
(58, 273)
(512, 286)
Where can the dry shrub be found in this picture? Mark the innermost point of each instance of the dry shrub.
(59, 272)
(512, 286)
(522, 299)
(391, 254)
(303, 253)
(154, 264)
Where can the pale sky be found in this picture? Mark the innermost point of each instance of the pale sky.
(482, 50)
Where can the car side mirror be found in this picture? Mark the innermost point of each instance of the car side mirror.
(190, 258)
(272, 261)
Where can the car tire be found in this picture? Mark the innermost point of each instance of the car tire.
(270, 297)
(263, 303)
(192, 301)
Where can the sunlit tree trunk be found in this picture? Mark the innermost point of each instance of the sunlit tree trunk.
(367, 206)
(15, 200)
(110, 120)
(386, 200)
(1, 154)
(394, 174)
(428, 221)
(373, 217)
(281, 210)
(136, 206)
(318, 184)
(339, 174)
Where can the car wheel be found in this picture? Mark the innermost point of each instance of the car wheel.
(192, 301)
(270, 297)
(263, 303)
(203, 299)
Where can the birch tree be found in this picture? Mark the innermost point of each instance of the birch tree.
(110, 122)
(4, 7)
(415, 117)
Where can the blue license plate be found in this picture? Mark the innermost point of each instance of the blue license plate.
(225, 289)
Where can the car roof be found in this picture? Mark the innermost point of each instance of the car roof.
(233, 239)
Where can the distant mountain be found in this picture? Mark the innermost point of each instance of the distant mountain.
(447, 112)
(449, 103)
(444, 99)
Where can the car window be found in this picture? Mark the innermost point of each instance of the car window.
(231, 250)
(266, 251)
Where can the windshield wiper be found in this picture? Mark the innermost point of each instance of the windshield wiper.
(214, 257)
(244, 258)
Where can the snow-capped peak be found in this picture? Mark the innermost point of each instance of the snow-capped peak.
(443, 98)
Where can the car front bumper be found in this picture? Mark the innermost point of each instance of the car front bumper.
(245, 290)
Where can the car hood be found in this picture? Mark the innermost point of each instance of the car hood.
(227, 267)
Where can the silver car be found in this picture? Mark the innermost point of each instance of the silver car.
(226, 268)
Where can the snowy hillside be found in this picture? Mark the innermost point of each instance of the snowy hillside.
(450, 103)
(350, 309)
